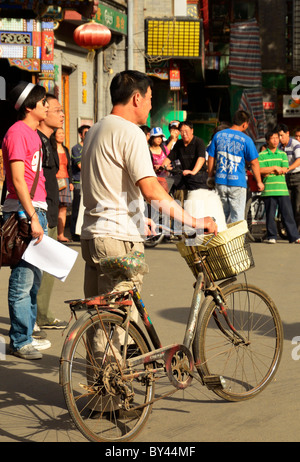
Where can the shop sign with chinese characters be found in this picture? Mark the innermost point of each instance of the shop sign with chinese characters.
(174, 79)
(111, 18)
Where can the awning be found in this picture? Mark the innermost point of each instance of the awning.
(36, 8)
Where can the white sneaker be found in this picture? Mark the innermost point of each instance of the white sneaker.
(41, 344)
(28, 352)
(270, 241)
(36, 328)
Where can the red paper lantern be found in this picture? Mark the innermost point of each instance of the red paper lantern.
(92, 35)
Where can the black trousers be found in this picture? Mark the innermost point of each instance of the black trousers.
(293, 184)
(287, 215)
(75, 208)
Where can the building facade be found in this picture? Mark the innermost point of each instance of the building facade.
(82, 77)
(191, 48)
(27, 29)
(248, 58)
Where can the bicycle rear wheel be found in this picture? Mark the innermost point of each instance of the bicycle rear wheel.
(101, 404)
(249, 366)
(281, 228)
(255, 217)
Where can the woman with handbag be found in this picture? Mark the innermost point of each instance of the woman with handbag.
(65, 186)
(21, 150)
(159, 153)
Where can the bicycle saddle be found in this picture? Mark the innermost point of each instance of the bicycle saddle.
(129, 264)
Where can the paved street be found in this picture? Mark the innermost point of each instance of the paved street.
(31, 402)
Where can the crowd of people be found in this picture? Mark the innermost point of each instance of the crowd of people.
(220, 168)
(114, 166)
(112, 163)
(39, 128)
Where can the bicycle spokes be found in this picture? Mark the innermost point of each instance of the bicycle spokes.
(244, 346)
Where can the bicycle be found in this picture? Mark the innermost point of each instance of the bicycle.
(153, 241)
(255, 215)
(232, 343)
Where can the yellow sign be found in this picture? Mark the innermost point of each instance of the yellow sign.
(174, 38)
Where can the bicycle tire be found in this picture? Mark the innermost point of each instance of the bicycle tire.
(281, 228)
(256, 233)
(154, 241)
(247, 369)
(90, 389)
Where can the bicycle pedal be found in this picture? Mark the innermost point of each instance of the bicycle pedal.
(214, 381)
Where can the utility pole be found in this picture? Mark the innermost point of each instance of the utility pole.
(130, 34)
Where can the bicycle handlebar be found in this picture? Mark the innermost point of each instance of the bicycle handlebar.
(171, 232)
(187, 235)
(173, 171)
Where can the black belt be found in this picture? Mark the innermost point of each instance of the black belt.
(296, 173)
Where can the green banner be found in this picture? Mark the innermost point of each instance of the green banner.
(111, 18)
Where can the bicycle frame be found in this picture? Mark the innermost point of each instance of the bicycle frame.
(192, 322)
(204, 286)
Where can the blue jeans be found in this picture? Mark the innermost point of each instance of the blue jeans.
(24, 283)
(233, 200)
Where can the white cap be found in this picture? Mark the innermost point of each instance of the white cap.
(24, 95)
(157, 131)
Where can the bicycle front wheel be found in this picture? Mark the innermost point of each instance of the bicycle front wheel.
(104, 406)
(247, 366)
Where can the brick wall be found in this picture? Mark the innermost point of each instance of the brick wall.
(75, 63)
(158, 8)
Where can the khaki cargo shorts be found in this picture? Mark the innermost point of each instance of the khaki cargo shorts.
(95, 282)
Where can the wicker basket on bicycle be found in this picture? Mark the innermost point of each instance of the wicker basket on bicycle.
(227, 254)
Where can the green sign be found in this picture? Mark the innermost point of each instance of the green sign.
(111, 18)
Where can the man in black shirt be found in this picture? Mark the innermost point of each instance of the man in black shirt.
(54, 119)
(189, 155)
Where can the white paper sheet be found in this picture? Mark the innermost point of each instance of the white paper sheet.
(51, 256)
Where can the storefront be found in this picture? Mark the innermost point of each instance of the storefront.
(175, 53)
(27, 46)
(83, 75)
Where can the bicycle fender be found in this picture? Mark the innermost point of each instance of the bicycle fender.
(64, 376)
(63, 369)
(66, 350)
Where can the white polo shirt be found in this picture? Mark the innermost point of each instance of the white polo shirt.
(292, 150)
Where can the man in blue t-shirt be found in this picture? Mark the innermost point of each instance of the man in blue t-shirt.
(228, 153)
